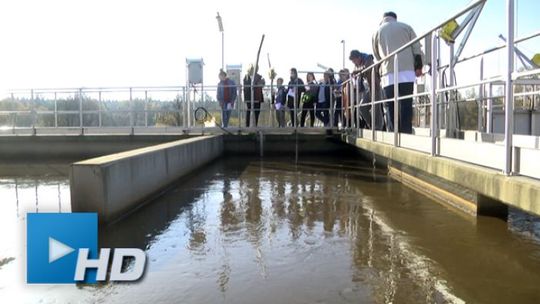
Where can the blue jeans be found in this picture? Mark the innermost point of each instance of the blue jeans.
(225, 116)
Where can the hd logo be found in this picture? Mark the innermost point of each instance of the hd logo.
(62, 248)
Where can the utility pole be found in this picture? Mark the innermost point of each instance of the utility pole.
(220, 26)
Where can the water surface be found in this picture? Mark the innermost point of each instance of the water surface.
(270, 231)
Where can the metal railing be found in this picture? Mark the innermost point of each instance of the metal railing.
(173, 107)
(149, 107)
(441, 96)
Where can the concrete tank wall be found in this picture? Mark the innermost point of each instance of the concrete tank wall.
(74, 147)
(115, 184)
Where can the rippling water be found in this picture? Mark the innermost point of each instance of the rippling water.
(321, 231)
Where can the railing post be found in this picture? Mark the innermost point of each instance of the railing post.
(33, 111)
(188, 109)
(509, 90)
(146, 108)
(131, 114)
(295, 119)
(373, 107)
(350, 107)
(434, 104)
(357, 106)
(239, 104)
(80, 109)
(481, 97)
(331, 106)
(489, 119)
(100, 109)
(396, 100)
(14, 117)
(184, 108)
(55, 110)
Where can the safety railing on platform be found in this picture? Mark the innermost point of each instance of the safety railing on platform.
(160, 107)
(440, 103)
(476, 127)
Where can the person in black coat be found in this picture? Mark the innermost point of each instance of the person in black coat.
(294, 92)
(324, 98)
(257, 97)
(309, 99)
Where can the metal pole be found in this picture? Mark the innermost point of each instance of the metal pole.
(509, 89)
(481, 97)
(343, 42)
(441, 107)
(396, 100)
(295, 107)
(80, 109)
(239, 104)
(188, 109)
(131, 118)
(357, 105)
(100, 109)
(223, 50)
(351, 103)
(434, 106)
(14, 121)
(489, 119)
(33, 110)
(331, 106)
(373, 96)
(55, 110)
(184, 107)
(451, 108)
(146, 108)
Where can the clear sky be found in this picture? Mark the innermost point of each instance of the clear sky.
(75, 43)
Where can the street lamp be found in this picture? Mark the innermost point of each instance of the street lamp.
(343, 42)
(220, 25)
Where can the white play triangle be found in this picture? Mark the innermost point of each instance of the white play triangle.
(58, 250)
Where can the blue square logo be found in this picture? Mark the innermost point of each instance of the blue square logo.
(53, 243)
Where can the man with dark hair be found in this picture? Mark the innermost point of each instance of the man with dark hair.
(294, 92)
(226, 95)
(391, 36)
(362, 61)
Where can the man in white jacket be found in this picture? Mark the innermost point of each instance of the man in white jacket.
(391, 36)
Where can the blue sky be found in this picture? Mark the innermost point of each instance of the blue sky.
(73, 43)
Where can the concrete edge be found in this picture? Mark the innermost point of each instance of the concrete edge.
(116, 185)
(517, 191)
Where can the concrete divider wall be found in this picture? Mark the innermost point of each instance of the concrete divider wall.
(115, 184)
(74, 147)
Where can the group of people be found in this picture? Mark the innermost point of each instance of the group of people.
(329, 100)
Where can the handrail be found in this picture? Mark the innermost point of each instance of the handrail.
(493, 49)
(417, 39)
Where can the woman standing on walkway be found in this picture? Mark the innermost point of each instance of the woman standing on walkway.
(308, 100)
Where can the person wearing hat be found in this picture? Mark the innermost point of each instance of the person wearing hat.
(361, 62)
(391, 36)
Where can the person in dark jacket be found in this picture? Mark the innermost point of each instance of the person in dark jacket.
(338, 93)
(226, 95)
(294, 92)
(323, 98)
(280, 97)
(257, 96)
(361, 62)
(308, 100)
